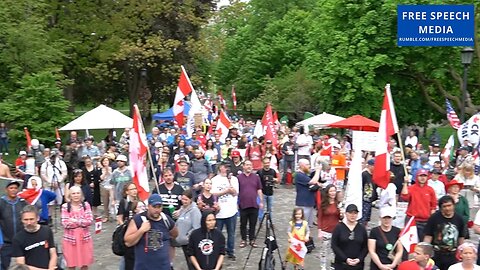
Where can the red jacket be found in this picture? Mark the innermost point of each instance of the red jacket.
(421, 201)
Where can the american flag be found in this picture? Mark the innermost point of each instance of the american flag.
(451, 115)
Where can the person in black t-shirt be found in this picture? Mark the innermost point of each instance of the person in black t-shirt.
(34, 246)
(445, 230)
(382, 242)
(269, 178)
(184, 177)
(369, 193)
(170, 192)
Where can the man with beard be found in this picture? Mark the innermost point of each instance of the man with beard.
(150, 233)
(10, 207)
(303, 180)
(34, 246)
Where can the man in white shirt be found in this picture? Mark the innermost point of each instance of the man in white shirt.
(54, 173)
(304, 143)
(225, 187)
(436, 184)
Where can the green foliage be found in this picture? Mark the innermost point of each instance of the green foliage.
(346, 51)
(38, 105)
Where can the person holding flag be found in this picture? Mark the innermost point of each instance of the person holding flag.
(421, 198)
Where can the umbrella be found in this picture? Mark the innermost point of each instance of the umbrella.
(356, 122)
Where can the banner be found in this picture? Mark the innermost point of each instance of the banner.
(364, 140)
(469, 131)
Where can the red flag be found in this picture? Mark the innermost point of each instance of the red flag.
(29, 139)
(183, 89)
(269, 125)
(234, 98)
(30, 195)
(138, 155)
(223, 125)
(409, 235)
(223, 103)
(57, 134)
(388, 127)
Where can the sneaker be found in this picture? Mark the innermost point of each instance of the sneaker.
(232, 257)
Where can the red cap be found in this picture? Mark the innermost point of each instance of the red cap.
(235, 153)
(422, 172)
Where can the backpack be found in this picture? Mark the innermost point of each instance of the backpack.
(118, 241)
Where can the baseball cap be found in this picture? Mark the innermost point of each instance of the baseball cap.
(182, 160)
(371, 162)
(435, 145)
(436, 171)
(155, 200)
(122, 158)
(268, 141)
(387, 212)
(463, 148)
(235, 153)
(13, 182)
(351, 208)
(21, 153)
(422, 172)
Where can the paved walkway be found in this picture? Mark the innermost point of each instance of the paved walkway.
(282, 210)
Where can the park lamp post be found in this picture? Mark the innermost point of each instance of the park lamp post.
(467, 56)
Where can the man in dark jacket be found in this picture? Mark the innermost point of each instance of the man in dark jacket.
(206, 245)
(10, 222)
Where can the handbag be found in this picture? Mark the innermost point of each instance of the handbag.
(310, 245)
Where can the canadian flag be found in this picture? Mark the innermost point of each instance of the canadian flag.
(269, 124)
(298, 248)
(409, 235)
(388, 127)
(223, 125)
(138, 155)
(98, 225)
(234, 98)
(183, 89)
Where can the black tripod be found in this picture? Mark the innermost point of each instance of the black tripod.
(267, 261)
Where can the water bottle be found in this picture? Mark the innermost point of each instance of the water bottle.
(171, 208)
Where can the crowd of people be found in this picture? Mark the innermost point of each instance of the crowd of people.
(206, 182)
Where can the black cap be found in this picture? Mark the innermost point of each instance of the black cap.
(13, 182)
(351, 208)
(436, 171)
(463, 148)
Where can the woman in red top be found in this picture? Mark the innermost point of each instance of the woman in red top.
(328, 217)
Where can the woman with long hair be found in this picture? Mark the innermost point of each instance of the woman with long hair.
(79, 181)
(211, 154)
(128, 206)
(327, 218)
(106, 187)
(92, 176)
(77, 240)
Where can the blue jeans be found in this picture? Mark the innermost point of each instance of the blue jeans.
(4, 145)
(231, 224)
(6, 255)
(268, 204)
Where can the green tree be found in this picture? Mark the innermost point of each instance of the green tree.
(39, 105)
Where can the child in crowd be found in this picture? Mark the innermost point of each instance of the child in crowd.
(298, 234)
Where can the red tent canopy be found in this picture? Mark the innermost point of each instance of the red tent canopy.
(356, 122)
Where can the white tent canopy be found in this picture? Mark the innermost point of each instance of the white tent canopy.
(102, 117)
(320, 121)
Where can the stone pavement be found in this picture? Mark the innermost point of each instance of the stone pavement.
(282, 210)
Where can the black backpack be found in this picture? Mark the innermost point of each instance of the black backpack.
(118, 243)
